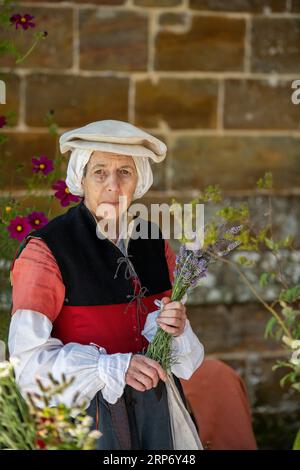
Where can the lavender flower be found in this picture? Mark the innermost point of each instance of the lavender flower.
(191, 266)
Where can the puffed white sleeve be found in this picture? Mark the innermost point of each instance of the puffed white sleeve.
(38, 295)
(34, 353)
(188, 352)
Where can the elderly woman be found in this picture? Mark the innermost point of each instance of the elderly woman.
(83, 302)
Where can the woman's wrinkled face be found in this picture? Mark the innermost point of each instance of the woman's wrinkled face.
(109, 177)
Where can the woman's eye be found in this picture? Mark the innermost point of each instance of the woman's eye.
(99, 172)
(125, 172)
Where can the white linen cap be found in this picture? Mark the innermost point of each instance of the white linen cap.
(114, 137)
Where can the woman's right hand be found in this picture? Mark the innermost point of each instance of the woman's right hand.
(144, 373)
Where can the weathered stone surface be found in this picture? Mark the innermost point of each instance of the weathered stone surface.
(173, 19)
(113, 40)
(102, 2)
(232, 328)
(260, 104)
(210, 43)
(158, 169)
(157, 3)
(83, 2)
(56, 50)
(234, 162)
(252, 6)
(295, 6)
(224, 284)
(285, 219)
(275, 45)
(75, 100)
(178, 103)
(12, 85)
(212, 326)
(16, 154)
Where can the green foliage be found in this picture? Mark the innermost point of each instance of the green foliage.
(266, 182)
(6, 11)
(265, 278)
(296, 445)
(244, 261)
(270, 330)
(290, 295)
(41, 421)
(212, 194)
(234, 214)
(8, 46)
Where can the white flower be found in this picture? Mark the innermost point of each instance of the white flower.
(4, 365)
(292, 343)
(87, 421)
(95, 434)
(295, 359)
(4, 373)
(5, 369)
(295, 344)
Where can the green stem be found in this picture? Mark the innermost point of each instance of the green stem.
(21, 59)
(256, 294)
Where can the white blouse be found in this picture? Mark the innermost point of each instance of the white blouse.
(35, 353)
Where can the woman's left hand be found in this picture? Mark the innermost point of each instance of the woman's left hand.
(172, 318)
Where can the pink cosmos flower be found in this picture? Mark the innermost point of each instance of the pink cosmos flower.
(22, 20)
(43, 164)
(63, 193)
(37, 219)
(19, 228)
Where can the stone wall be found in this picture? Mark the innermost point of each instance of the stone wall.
(212, 78)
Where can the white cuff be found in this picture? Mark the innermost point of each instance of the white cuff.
(112, 369)
(150, 327)
(182, 344)
(188, 353)
(186, 349)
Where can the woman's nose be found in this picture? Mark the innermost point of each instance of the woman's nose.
(113, 182)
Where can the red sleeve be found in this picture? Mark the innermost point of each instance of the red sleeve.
(36, 281)
(171, 260)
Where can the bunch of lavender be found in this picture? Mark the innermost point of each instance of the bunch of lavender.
(191, 266)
